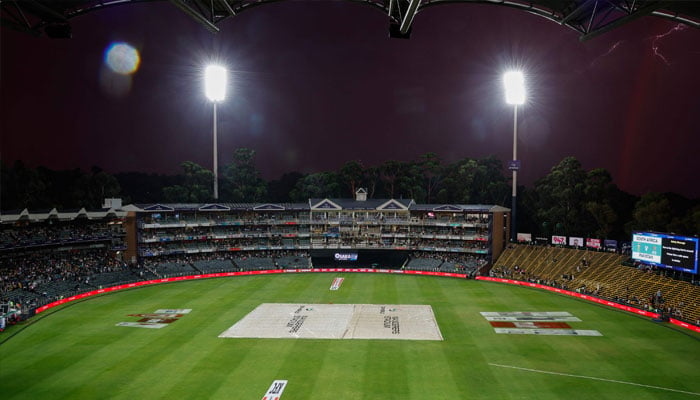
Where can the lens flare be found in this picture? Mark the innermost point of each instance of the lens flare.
(122, 58)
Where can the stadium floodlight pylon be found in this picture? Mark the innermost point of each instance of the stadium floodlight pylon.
(215, 81)
(514, 82)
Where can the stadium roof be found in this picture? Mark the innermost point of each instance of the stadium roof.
(220, 207)
(588, 17)
(15, 216)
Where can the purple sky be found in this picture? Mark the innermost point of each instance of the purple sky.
(317, 84)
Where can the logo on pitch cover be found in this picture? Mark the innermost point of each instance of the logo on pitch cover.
(156, 320)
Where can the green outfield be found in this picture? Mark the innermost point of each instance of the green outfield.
(77, 351)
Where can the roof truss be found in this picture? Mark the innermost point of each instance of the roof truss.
(589, 18)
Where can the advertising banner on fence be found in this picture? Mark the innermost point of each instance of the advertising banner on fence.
(558, 239)
(576, 241)
(610, 245)
(541, 240)
(524, 237)
(593, 243)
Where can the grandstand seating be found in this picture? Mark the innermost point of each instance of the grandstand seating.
(214, 266)
(293, 262)
(424, 264)
(255, 263)
(112, 278)
(174, 268)
(602, 274)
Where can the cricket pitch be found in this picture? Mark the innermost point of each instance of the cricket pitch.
(337, 321)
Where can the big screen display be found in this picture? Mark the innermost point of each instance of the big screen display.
(666, 250)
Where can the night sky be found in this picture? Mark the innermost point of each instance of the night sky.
(314, 85)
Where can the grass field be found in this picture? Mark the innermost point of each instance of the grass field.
(76, 352)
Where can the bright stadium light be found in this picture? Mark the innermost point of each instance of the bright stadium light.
(515, 87)
(215, 81)
(514, 83)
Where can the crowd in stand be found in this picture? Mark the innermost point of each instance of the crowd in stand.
(32, 279)
(46, 233)
(27, 271)
(654, 302)
(274, 255)
(25, 277)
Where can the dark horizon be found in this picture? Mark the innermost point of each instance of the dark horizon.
(315, 85)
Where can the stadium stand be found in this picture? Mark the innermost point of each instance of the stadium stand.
(43, 260)
(214, 266)
(601, 274)
(255, 263)
(173, 267)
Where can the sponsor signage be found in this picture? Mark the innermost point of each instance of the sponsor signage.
(576, 241)
(541, 240)
(524, 237)
(275, 390)
(684, 325)
(593, 243)
(610, 244)
(524, 318)
(558, 239)
(152, 325)
(336, 283)
(530, 325)
(156, 320)
(345, 256)
(535, 323)
(548, 332)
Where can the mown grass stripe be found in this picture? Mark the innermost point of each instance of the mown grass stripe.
(384, 375)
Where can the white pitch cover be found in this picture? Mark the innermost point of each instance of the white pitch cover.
(337, 321)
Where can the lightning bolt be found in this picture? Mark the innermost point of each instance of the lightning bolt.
(655, 46)
(612, 48)
(607, 53)
(593, 63)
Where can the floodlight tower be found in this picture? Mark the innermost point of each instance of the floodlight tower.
(514, 82)
(215, 80)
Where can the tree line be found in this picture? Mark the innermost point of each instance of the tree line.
(567, 201)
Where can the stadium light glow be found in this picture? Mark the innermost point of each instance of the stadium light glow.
(514, 83)
(215, 81)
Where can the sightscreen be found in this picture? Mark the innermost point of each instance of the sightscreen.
(665, 250)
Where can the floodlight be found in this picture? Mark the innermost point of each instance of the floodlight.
(515, 87)
(215, 83)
